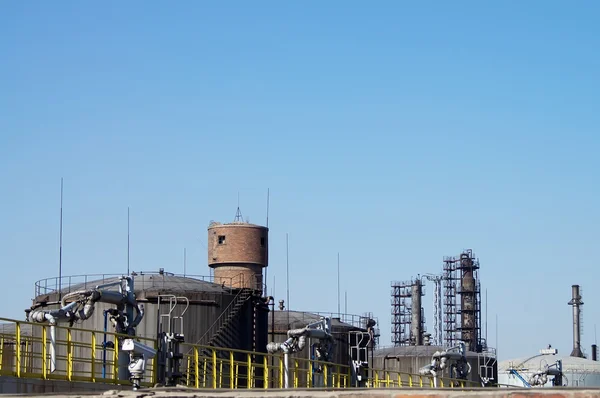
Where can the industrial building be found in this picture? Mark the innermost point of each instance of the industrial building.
(227, 310)
(238, 252)
(456, 322)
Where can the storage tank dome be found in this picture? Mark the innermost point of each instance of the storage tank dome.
(578, 372)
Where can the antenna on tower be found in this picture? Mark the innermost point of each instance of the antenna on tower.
(238, 213)
(128, 241)
(60, 242)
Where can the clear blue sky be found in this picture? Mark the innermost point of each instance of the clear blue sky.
(394, 133)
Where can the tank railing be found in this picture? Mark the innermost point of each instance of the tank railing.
(79, 354)
(358, 321)
(51, 285)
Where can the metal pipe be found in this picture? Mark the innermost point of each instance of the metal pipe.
(286, 370)
(52, 322)
(104, 345)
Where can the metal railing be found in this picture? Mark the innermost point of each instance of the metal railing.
(81, 354)
(76, 282)
(214, 367)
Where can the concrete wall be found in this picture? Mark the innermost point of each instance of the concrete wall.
(13, 385)
(376, 393)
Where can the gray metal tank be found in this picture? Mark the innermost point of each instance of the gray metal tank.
(207, 300)
(340, 328)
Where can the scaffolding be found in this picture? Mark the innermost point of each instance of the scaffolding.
(450, 307)
(401, 311)
(470, 301)
(403, 300)
(462, 301)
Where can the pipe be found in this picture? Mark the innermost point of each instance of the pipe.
(52, 321)
(140, 314)
(286, 370)
(104, 345)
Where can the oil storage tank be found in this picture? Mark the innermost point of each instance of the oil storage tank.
(341, 326)
(577, 372)
(409, 359)
(244, 310)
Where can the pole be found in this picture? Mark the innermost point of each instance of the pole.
(346, 302)
(486, 316)
(127, 240)
(268, 195)
(266, 293)
(496, 335)
(287, 261)
(60, 243)
(184, 262)
(338, 284)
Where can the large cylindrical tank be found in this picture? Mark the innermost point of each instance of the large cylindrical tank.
(286, 320)
(578, 372)
(409, 359)
(238, 252)
(207, 303)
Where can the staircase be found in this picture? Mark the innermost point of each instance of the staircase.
(220, 333)
(525, 382)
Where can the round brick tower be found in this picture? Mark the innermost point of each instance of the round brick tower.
(238, 252)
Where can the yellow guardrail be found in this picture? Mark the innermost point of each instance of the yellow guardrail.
(214, 367)
(80, 354)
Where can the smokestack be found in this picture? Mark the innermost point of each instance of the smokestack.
(594, 352)
(416, 320)
(576, 302)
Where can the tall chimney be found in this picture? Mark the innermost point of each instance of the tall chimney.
(576, 302)
(594, 352)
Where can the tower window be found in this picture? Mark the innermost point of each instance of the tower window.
(221, 239)
(262, 242)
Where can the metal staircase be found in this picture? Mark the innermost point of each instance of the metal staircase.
(220, 333)
(525, 382)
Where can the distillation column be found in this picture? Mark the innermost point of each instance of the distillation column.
(469, 301)
(416, 323)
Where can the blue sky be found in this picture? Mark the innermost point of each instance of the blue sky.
(393, 133)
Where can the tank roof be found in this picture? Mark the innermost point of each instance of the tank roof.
(299, 319)
(569, 363)
(414, 351)
(146, 284)
(235, 224)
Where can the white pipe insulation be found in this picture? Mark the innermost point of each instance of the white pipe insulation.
(296, 341)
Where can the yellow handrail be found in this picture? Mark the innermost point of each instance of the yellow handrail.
(77, 359)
